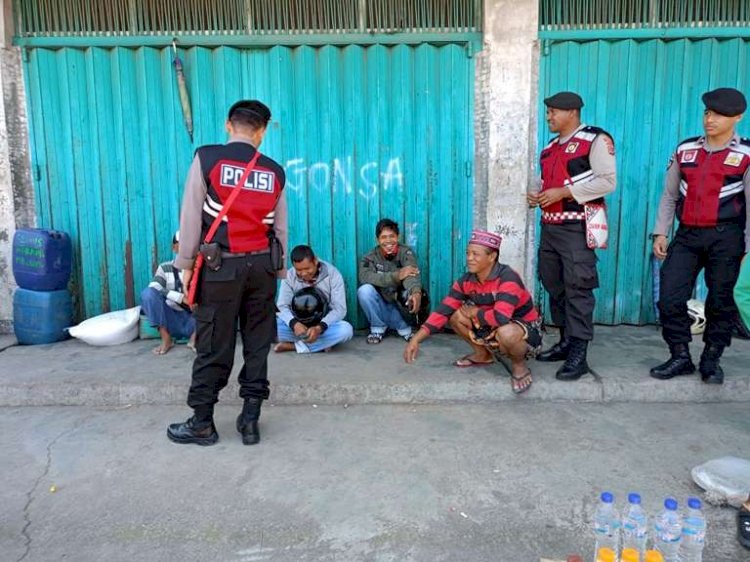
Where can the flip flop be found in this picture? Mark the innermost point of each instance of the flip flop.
(515, 379)
(374, 338)
(743, 527)
(161, 350)
(467, 361)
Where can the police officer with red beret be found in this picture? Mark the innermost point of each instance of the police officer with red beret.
(577, 167)
(707, 188)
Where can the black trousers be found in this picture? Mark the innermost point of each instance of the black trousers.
(243, 290)
(567, 268)
(719, 251)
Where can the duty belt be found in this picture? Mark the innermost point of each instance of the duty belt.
(243, 254)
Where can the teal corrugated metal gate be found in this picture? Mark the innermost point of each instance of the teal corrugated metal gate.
(363, 132)
(647, 95)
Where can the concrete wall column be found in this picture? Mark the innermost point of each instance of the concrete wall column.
(505, 125)
(16, 190)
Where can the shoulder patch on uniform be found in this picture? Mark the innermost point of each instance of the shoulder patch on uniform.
(607, 140)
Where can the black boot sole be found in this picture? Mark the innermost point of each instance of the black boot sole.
(574, 376)
(666, 377)
(252, 439)
(202, 441)
(553, 359)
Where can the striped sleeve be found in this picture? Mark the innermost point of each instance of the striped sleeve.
(437, 320)
(159, 282)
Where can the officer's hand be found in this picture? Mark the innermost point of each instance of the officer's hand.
(411, 350)
(414, 302)
(408, 271)
(300, 329)
(552, 196)
(660, 246)
(313, 334)
(532, 199)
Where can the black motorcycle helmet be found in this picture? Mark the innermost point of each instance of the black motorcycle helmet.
(309, 306)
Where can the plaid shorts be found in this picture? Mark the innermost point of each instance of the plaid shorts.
(532, 335)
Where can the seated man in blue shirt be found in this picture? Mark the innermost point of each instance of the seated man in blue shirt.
(312, 305)
(161, 302)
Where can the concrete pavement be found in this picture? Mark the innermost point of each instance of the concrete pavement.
(503, 482)
(73, 373)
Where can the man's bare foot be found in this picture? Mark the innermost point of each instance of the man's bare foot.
(283, 346)
(163, 348)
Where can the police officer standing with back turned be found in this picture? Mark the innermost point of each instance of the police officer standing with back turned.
(577, 167)
(243, 288)
(707, 188)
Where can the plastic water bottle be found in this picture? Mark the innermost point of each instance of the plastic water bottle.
(653, 556)
(635, 525)
(606, 524)
(630, 555)
(693, 533)
(668, 531)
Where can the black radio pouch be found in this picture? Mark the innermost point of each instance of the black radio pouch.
(211, 255)
(277, 252)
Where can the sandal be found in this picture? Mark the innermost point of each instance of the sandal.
(374, 338)
(743, 527)
(516, 383)
(467, 361)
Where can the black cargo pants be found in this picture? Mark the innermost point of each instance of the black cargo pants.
(719, 251)
(567, 268)
(244, 291)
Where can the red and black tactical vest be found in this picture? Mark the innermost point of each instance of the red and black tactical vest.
(245, 227)
(567, 163)
(711, 187)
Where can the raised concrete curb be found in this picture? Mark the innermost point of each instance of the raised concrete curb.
(73, 373)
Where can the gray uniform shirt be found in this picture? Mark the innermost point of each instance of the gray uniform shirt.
(191, 214)
(671, 194)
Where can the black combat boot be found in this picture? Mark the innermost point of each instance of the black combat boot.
(557, 352)
(575, 365)
(711, 371)
(679, 363)
(247, 421)
(199, 429)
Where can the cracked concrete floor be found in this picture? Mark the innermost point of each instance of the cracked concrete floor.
(504, 482)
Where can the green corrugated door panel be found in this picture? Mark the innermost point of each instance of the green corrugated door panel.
(362, 132)
(647, 95)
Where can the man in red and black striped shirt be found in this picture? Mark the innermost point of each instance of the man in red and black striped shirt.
(490, 308)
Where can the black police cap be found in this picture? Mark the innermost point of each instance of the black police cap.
(564, 100)
(726, 101)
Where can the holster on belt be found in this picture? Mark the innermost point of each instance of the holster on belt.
(211, 255)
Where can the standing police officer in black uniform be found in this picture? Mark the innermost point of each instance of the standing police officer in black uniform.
(243, 288)
(578, 167)
(707, 188)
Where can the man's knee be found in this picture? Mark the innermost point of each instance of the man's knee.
(346, 331)
(509, 335)
(366, 292)
(150, 296)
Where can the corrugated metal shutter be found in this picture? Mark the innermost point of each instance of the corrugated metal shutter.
(647, 95)
(363, 132)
